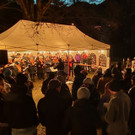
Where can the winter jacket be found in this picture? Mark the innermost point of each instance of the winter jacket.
(51, 111)
(81, 119)
(117, 115)
(21, 108)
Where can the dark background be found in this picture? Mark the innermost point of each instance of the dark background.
(112, 22)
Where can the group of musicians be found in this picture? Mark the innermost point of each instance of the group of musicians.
(42, 64)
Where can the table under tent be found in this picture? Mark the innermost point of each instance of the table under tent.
(32, 37)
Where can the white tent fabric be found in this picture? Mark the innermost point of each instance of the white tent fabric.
(33, 36)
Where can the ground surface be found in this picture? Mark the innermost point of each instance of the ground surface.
(37, 95)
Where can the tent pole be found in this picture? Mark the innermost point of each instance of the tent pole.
(68, 62)
(37, 48)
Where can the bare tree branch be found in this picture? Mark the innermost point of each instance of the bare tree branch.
(24, 8)
(45, 8)
(5, 5)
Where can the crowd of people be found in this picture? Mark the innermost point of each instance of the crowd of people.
(106, 101)
(38, 65)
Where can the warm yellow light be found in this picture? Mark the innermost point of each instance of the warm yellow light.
(102, 51)
(13, 52)
(40, 51)
(60, 51)
(86, 51)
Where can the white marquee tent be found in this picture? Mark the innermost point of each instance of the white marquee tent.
(32, 36)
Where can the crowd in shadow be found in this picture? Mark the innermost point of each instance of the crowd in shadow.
(106, 101)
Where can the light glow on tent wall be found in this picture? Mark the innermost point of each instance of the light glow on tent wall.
(66, 51)
(102, 51)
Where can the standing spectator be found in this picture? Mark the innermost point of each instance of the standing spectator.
(94, 97)
(103, 80)
(82, 118)
(40, 68)
(127, 80)
(45, 83)
(104, 97)
(97, 75)
(51, 109)
(89, 62)
(65, 93)
(8, 76)
(131, 94)
(118, 110)
(60, 65)
(4, 129)
(116, 74)
(78, 80)
(32, 71)
(22, 114)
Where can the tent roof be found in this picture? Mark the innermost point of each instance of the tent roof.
(32, 36)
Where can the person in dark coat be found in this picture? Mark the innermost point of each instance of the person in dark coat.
(94, 98)
(65, 93)
(82, 118)
(51, 109)
(40, 69)
(45, 83)
(4, 129)
(78, 81)
(32, 71)
(97, 76)
(22, 114)
(131, 94)
(8, 76)
(60, 65)
(127, 80)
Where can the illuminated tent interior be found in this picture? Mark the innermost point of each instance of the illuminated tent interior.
(38, 36)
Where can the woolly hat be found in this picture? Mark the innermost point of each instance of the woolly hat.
(88, 81)
(114, 85)
(83, 93)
